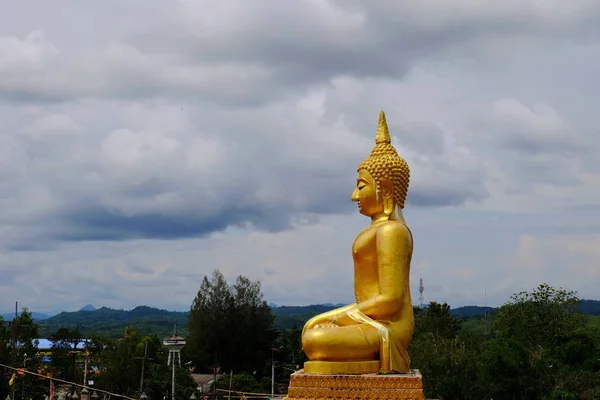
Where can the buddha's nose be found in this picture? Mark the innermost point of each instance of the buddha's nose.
(355, 195)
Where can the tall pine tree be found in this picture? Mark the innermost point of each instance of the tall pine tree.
(230, 326)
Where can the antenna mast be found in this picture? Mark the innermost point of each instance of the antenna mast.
(421, 289)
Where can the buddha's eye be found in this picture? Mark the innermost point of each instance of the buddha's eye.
(361, 187)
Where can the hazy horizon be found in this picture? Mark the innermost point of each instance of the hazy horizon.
(54, 312)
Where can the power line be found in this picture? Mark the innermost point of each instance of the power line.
(64, 381)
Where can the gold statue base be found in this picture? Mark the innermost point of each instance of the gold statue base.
(305, 386)
(341, 368)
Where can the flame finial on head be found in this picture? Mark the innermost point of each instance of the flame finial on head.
(383, 134)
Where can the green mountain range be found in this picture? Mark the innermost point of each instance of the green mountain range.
(147, 320)
(111, 323)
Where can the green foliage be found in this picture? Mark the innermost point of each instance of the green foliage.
(439, 346)
(447, 365)
(437, 320)
(290, 356)
(26, 332)
(548, 342)
(540, 317)
(230, 325)
(539, 347)
(243, 382)
(120, 361)
(4, 356)
(64, 341)
(594, 322)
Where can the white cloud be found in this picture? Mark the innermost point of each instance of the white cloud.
(135, 156)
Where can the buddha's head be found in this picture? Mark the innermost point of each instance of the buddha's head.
(383, 177)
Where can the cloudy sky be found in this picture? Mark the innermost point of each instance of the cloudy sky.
(144, 144)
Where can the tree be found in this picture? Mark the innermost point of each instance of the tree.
(445, 355)
(289, 343)
(230, 325)
(64, 342)
(542, 317)
(243, 382)
(26, 332)
(437, 319)
(542, 348)
(4, 356)
(119, 361)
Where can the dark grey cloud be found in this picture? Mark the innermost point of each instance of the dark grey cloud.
(97, 224)
(180, 129)
(188, 173)
(267, 51)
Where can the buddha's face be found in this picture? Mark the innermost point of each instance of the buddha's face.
(365, 194)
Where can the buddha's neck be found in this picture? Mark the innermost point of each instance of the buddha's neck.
(400, 216)
(395, 216)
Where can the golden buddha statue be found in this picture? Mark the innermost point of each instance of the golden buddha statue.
(372, 335)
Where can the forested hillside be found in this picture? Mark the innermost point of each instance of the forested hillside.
(111, 323)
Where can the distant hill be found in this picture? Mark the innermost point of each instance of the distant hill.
(109, 322)
(36, 316)
(88, 307)
(147, 320)
(287, 317)
(471, 311)
(590, 307)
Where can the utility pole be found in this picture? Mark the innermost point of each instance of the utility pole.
(75, 343)
(215, 375)
(85, 371)
(23, 383)
(421, 289)
(273, 350)
(230, 382)
(15, 323)
(485, 312)
(144, 366)
(75, 340)
(173, 381)
(272, 372)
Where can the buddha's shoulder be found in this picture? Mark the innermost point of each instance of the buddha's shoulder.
(393, 228)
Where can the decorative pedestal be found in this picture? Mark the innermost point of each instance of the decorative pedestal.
(356, 387)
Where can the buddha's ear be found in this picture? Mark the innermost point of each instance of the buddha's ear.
(387, 195)
(387, 188)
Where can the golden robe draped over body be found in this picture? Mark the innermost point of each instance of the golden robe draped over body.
(392, 357)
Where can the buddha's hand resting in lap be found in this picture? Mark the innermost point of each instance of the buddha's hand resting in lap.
(325, 326)
(341, 319)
